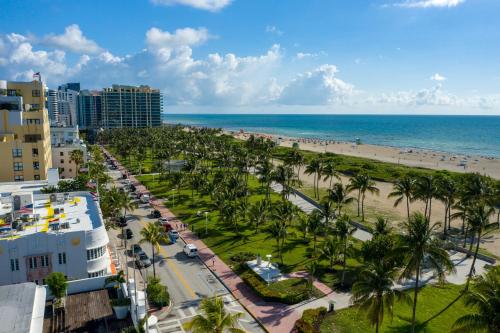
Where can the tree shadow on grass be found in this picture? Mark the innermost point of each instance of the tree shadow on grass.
(406, 327)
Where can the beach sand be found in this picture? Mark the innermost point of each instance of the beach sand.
(381, 204)
(410, 157)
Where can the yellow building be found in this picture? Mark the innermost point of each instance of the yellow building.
(24, 132)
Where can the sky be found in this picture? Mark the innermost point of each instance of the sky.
(266, 56)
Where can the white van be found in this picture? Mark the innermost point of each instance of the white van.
(190, 250)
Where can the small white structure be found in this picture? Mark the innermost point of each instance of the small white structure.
(64, 140)
(268, 271)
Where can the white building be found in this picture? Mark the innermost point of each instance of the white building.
(64, 140)
(22, 308)
(44, 233)
(67, 106)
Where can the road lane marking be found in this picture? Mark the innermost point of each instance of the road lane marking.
(174, 268)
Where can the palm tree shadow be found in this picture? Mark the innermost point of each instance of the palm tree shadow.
(419, 326)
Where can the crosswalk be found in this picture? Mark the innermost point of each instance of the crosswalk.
(183, 313)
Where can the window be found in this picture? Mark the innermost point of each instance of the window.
(96, 274)
(11, 92)
(33, 121)
(35, 107)
(62, 258)
(44, 260)
(61, 153)
(32, 262)
(34, 152)
(18, 166)
(14, 264)
(16, 152)
(32, 138)
(36, 177)
(18, 178)
(62, 161)
(35, 93)
(36, 165)
(96, 253)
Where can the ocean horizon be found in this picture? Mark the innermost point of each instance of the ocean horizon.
(468, 135)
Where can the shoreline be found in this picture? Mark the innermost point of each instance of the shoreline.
(409, 156)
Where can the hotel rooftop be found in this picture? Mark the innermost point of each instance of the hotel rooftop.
(24, 210)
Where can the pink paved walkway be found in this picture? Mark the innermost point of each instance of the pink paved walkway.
(276, 317)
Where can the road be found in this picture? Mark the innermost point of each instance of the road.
(188, 279)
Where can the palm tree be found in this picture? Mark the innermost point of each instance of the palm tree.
(314, 167)
(214, 318)
(153, 234)
(343, 230)
(277, 230)
(76, 156)
(374, 293)
(327, 210)
(258, 213)
(478, 220)
(363, 183)
(332, 247)
(426, 190)
(265, 172)
(403, 190)
(340, 196)
(382, 227)
(418, 244)
(330, 172)
(315, 224)
(446, 192)
(484, 297)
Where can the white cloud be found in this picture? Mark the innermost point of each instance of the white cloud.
(210, 5)
(303, 55)
(274, 30)
(435, 96)
(72, 40)
(317, 87)
(429, 3)
(163, 42)
(438, 77)
(109, 58)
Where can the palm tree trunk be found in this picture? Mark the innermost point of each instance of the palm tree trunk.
(465, 232)
(415, 295)
(363, 207)
(359, 197)
(344, 263)
(445, 218)
(430, 208)
(473, 261)
(376, 326)
(408, 208)
(153, 261)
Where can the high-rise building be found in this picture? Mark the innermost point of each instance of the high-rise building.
(24, 132)
(75, 86)
(52, 106)
(131, 106)
(89, 109)
(67, 102)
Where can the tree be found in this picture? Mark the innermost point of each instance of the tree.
(478, 220)
(340, 196)
(315, 226)
(426, 190)
(363, 183)
(278, 231)
(214, 318)
(153, 233)
(485, 297)
(258, 213)
(344, 230)
(418, 244)
(327, 210)
(446, 192)
(76, 156)
(403, 189)
(330, 172)
(332, 247)
(314, 168)
(57, 284)
(373, 292)
(382, 227)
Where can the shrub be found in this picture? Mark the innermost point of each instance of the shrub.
(310, 321)
(57, 284)
(120, 302)
(157, 293)
(242, 257)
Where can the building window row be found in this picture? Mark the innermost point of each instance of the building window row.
(14, 264)
(33, 261)
(18, 166)
(33, 121)
(17, 152)
(62, 258)
(98, 273)
(96, 253)
(18, 178)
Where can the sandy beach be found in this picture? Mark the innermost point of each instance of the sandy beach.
(411, 157)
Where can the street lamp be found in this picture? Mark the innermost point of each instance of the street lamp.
(173, 197)
(268, 256)
(206, 223)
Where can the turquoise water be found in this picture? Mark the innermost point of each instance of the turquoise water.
(472, 135)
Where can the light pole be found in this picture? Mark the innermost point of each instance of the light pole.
(173, 197)
(206, 223)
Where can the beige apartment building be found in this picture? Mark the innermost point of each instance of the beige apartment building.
(25, 147)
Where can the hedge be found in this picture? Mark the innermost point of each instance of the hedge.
(311, 321)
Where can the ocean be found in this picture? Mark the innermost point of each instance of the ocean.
(469, 135)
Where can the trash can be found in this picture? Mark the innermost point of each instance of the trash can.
(331, 306)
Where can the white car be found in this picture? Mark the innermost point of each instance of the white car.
(163, 220)
(145, 198)
(190, 250)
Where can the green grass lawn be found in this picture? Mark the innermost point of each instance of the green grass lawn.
(431, 300)
(131, 163)
(225, 242)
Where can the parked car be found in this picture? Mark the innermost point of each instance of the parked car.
(142, 260)
(173, 234)
(190, 250)
(128, 233)
(136, 249)
(156, 214)
(145, 198)
(122, 222)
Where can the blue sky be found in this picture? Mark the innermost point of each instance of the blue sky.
(314, 56)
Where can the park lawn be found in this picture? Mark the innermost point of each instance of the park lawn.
(226, 243)
(131, 163)
(431, 300)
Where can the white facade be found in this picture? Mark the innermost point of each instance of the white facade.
(67, 104)
(64, 140)
(63, 233)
